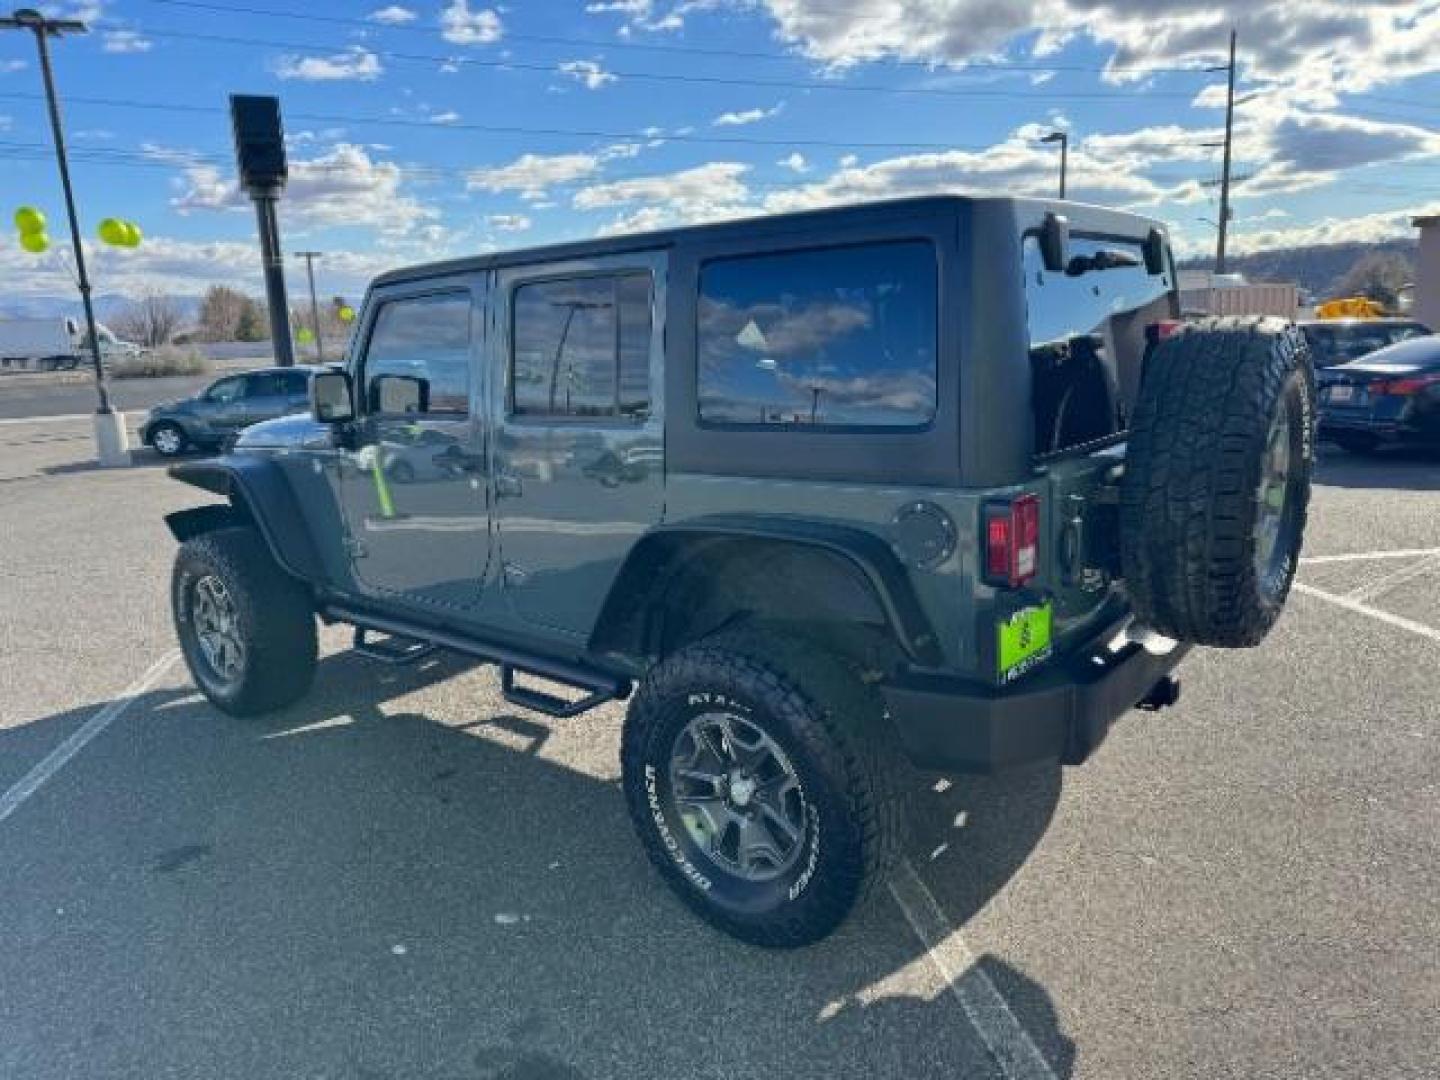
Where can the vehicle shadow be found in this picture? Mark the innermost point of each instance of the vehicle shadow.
(1393, 470)
(356, 886)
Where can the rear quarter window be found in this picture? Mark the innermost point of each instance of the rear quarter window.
(836, 337)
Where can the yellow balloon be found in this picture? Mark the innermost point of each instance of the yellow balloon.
(133, 235)
(346, 314)
(112, 231)
(29, 220)
(304, 336)
(35, 242)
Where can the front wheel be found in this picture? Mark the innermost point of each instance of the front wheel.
(760, 786)
(247, 628)
(168, 439)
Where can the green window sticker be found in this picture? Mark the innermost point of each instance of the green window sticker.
(1024, 640)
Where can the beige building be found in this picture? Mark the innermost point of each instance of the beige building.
(1426, 307)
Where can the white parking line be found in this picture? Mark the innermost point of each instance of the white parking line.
(54, 761)
(1359, 608)
(65, 418)
(1361, 556)
(1376, 589)
(990, 1014)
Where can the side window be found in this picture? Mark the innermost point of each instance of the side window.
(837, 337)
(264, 385)
(294, 382)
(424, 340)
(226, 391)
(581, 347)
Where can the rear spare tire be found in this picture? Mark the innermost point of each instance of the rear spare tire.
(1217, 480)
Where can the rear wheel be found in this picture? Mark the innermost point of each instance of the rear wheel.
(760, 786)
(1217, 480)
(246, 628)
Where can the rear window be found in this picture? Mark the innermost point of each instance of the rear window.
(1342, 342)
(840, 337)
(1088, 336)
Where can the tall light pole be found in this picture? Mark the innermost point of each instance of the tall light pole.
(1063, 138)
(310, 257)
(1225, 167)
(110, 432)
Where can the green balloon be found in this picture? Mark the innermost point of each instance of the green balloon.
(29, 220)
(304, 336)
(35, 242)
(112, 231)
(133, 235)
(346, 314)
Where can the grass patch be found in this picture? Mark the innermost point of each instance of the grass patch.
(159, 363)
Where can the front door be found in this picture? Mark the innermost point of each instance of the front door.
(224, 407)
(412, 483)
(579, 446)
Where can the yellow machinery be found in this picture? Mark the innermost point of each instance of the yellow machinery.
(1352, 307)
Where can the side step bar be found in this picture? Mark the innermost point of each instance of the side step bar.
(599, 686)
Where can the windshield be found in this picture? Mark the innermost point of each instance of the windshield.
(1087, 337)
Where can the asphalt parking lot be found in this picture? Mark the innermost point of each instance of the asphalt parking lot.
(403, 877)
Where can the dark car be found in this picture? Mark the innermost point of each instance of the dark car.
(225, 407)
(1391, 397)
(1338, 341)
(818, 494)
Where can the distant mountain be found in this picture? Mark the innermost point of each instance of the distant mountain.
(107, 306)
(1318, 269)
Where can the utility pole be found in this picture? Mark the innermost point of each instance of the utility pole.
(1225, 168)
(310, 257)
(1063, 138)
(110, 432)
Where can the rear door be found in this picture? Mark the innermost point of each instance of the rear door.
(579, 449)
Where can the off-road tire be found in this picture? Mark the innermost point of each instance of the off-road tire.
(181, 444)
(274, 613)
(1189, 500)
(831, 726)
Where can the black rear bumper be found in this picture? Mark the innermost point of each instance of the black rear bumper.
(1060, 715)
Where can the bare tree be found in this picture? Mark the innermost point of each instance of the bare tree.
(221, 312)
(1378, 276)
(151, 320)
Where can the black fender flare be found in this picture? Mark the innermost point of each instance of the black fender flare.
(258, 493)
(656, 553)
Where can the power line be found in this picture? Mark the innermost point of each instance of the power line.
(680, 50)
(686, 78)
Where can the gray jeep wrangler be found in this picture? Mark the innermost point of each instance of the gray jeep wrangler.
(938, 483)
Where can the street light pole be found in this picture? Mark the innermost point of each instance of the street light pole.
(310, 257)
(1063, 138)
(43, 29)
(1225, 167)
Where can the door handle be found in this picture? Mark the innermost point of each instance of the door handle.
(508, 486)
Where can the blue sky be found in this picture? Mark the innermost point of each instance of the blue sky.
(423, 130)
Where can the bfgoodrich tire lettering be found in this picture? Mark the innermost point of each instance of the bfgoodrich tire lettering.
(1217, 480)
(822, 724)
(271, 622)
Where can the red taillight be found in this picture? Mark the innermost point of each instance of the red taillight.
(1012, 541)
(1402, 387)
(1166, 328)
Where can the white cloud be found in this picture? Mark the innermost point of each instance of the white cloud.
(7, 66)
(357, 63)
(704, 193)
(394, 15)
(747, 116)
(1365, 228)
(796, 162)
(588, 72)
(125, 41)
(343, 187)
(461, 26)
(532, 174)
(508, 223)
(449, 116)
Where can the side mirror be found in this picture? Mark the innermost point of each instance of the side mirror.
(1154, 248)
(397, 395)
(1055, 243)
(331, 401)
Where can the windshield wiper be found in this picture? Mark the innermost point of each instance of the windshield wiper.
(1104, 259)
